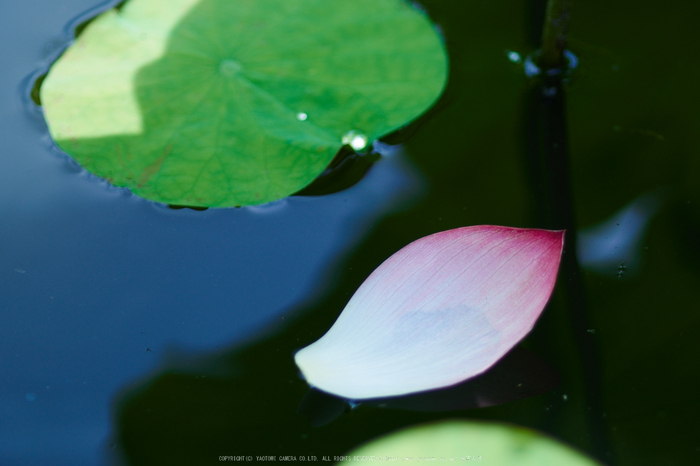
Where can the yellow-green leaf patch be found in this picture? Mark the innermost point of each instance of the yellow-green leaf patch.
(488, 443)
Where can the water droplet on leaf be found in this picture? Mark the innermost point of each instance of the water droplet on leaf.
(355, 139)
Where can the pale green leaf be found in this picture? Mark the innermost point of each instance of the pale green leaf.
(483, 443)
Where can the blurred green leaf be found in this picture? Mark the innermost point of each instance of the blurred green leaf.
(478, 442)
(224, 103)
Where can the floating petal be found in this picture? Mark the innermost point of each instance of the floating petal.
(441, 310)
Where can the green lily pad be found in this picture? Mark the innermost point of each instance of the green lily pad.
(482, 442)
(238, 102)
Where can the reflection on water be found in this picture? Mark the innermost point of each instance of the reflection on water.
(519, 374)
(111, 282)
(613, 247)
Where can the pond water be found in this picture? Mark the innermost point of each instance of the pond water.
(138, 334)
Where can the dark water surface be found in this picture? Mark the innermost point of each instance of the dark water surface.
(133, 332)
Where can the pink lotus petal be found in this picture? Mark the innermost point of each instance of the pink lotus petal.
(441, 310)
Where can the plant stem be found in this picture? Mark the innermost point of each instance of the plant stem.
(554, 31)
(548, 160)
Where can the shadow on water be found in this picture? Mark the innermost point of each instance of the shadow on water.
(247, 406)
(251, 400)
(519, 374)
